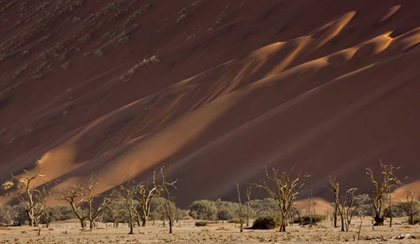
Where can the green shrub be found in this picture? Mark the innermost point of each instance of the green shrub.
(224, 214)
(203, 210)
(264, 223)
(306, 219)
(201, 223)
(235, 221)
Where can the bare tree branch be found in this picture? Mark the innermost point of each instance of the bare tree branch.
(283, 189)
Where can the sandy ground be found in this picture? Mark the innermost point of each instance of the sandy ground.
(186, 232)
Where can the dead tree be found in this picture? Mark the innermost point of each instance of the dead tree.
(311, 209)
(88, 196)
(85, 208)
(241, 222)
(145, 193)
(166, 200)
(382, 190)
(127, 192)
(283, 189)
(412, 211)
(116, 210)
(335, 189)
(72, 196)
(7, 215)
(33, 198)
(346, 206)
(294, 211)
(248, 207)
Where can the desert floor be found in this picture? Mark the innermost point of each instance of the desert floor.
(186, 232)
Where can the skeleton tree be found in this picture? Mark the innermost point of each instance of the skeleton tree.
(381, 193)
(349, 208)
(166, 200)
(411, 207)
(241, 224)
(145, 193)
(33, 198)
(82, 200)
(335, 189)
(126, 193)
(89, 197)
(345, 207)
(72, 195)
(248, 207)
(283, 188)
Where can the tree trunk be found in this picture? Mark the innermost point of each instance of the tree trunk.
(379, 220)
(91, 224)
(138, 222)
(390, 210)
(30, 218)
(299, 218)
(131, 227)
(170, 225)
(247, 215)
(335, 217)
(282, 226)
(390, 220)
(130, 221)
(82, 223)
(143, 221)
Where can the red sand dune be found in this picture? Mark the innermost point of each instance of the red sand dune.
(326, 87)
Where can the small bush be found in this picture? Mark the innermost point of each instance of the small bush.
(124, 37)
(306, 219)
(416, 220)
(200, 223)
(235, 221)
(264, 223)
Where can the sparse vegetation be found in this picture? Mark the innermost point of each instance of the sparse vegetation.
(190, 37)
(201, 223)
(345, 207)
(84, 38)
(284, 190)
(66, 65)
(87, 208)
(146, 61)
(20, 71)
(308, 219)
(135, 203)
(203, 209)
(264, 223)
(181, 17)
(123, 37)
(381, 194)
(412, 207)
(98, 53)
(33, 199)
(137, 13)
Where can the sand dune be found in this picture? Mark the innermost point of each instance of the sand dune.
(238, 86)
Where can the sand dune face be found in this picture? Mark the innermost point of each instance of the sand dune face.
(215, 90)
